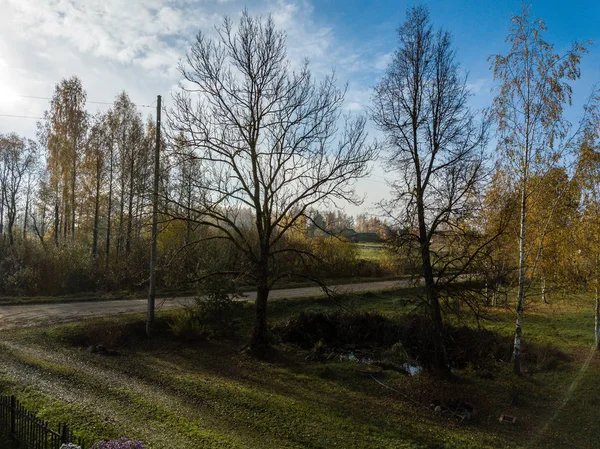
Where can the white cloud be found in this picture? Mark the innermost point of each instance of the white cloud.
(382, 61)
(479, 85)
(116, 45)
(135, 45)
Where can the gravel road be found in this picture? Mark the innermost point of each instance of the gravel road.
(51, 313)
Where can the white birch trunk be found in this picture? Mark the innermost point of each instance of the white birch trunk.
(544, 291)
(516, 356)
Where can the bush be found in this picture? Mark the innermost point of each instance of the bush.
(106, 332)
(337, 329)
(123, 443)
(185, 325)
(215, 314)
(408, 338)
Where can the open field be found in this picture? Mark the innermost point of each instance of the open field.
(375, 252)
(208, 394)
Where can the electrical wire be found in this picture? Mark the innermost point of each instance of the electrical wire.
(47, 98)
(91, 102)
(21, 116)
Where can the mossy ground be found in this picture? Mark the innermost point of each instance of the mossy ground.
(171, 394)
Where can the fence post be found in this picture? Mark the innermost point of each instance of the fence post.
(65, 435)
(13, 415)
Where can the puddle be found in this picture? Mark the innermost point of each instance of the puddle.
(351, 357)
(411, 369)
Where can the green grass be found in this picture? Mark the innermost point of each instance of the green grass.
(375, 252)
(210, 395)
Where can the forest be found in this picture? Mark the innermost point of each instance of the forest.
(491, 229)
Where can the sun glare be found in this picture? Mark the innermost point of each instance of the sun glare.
(8, 96)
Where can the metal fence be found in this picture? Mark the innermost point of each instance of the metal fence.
(29, 431)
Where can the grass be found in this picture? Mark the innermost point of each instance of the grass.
(209, 395)
(376, 252)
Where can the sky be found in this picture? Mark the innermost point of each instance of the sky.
(135, 45)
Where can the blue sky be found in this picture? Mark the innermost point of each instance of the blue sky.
(134, 45)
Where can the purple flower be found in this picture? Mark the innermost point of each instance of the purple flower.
(123, 443)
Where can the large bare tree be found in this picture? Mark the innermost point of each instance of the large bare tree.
(435, 147)
(268, 139)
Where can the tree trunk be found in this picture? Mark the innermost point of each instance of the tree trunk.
(109, 208)
(544, 291)
(440, 363)
(259, 342)
(56, 224)
(121, 215)
(495, 295)
(96, 210)
(260, 339)
(73, 183)
(26, 213)
(188, 223)
(2, 212)
(138, 215)
(516, 356)
(597, 320)
(11, 222)
(130, 206)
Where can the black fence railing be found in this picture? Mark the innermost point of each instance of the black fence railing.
(29, 431)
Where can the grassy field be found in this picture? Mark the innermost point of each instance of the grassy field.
(375, 252)
(171, 394)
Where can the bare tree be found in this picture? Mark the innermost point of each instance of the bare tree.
(528, 110)
(267, 139)
(435, 146)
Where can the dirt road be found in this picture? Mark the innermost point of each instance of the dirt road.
(37, 314)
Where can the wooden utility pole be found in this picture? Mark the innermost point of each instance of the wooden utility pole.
(152, 288)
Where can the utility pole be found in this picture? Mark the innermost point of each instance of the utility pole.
(152, 288)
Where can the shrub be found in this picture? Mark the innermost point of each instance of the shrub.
(185, 325)
(338, 329)
(409, 338)
(214, 314)
(106, 332)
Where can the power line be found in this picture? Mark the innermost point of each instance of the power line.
(91, 102)
(21, 116)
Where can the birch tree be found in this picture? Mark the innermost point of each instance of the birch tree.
(67, 130)
(528, 110)
(586, 236)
